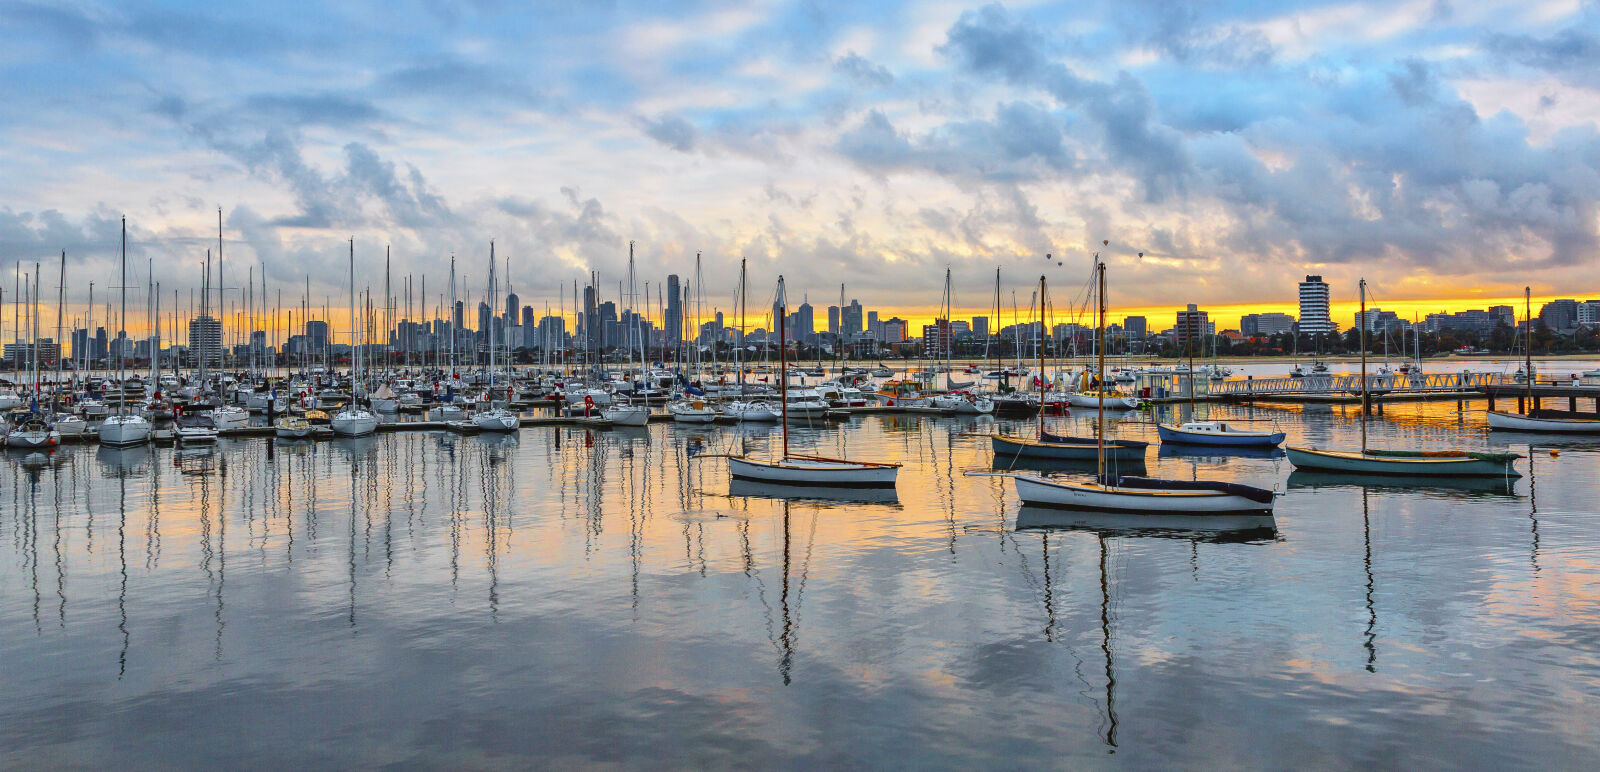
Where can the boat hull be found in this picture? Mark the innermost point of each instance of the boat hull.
(123, 430)
(32, 439)
(1116, 450)
(1039, 492)
(1357, 463)
(1170, 433)
(357, 424)
(841, 474)
(627, 416)
(497, 421)
(1521, 423)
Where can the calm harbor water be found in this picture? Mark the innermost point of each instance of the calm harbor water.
(566, 598)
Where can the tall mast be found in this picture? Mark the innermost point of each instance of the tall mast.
(1100, 366)
(61, 289)
(1039, 350)
(355, 348)
(122, 393)
(1527, 346)
(490, 337)
(783, 366)
(739, 352)
(1363, 337)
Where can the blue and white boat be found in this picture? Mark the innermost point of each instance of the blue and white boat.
(1217, 433)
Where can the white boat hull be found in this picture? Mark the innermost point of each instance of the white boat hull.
(753, 413)
(1522, 423)
(230, 418)
(1112, 403)
(194, 436)
(123, 430)
(627, 415)
(1037, 491)
(32, 439)
(353, 423)
(819, 473)
(497, 421)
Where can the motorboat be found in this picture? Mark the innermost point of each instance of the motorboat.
(195, 428)
(446, 411)
(692, 411)
(963, 403)
(69, 425)
(624, 414)
(1217, 433)
(751, 411)
(292, 428)
(805, 405)
(230, 417)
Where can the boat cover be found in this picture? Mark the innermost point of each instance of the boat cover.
(1259, 495)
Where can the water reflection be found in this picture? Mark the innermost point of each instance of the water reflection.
(616, 592)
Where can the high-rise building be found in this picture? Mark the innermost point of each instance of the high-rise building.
(894, 330)
(589, 323)
(804, 323)
(80, 343)
(980, 326)
(850, 318)
(102, 347)
(936, 338)
(484, 321)
(1314, 316)
(459, 317)
(1136, 327)
(513, 305)
(1192, 325)
(833, 320)
(1379, 320)
(205, 339)
(673, 320)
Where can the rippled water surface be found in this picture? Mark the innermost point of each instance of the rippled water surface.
(564, 598)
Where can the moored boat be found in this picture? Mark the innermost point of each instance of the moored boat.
(1217, 433)
(1421, 463)
(1552, 421)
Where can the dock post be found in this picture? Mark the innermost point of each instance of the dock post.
(1536, 402)
(1491, 398)
(1572, 404)
(1522, 406)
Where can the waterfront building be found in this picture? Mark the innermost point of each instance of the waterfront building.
(1314, 316)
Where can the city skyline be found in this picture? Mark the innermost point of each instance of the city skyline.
(1440, 155)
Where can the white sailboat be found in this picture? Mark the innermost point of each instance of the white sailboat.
(1410, 463)
(620, 413)
(793, 469)
(494, 419)
(124, 428)
(1540, 420)
(1141, 495)
(354, 420)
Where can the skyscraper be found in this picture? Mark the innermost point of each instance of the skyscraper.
(674, 317)
(205, 339)
(1314, 316)
(591, 320)
(833, 320)
(512, 304)
(1193, 324)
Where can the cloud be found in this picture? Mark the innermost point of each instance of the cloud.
(862, 71)
(670, 130)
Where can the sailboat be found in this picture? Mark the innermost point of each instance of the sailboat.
(32, 429)
(354, 420)
(1416, 463)
(1143, 495)
(1540, 420)
(627, 413)
(1062, 448)
(124, 428)
(743, 409)
(493, 419)
(794, 469)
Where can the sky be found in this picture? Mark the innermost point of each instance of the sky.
(1211, 152)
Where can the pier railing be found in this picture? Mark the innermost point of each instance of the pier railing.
(1351, 384)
